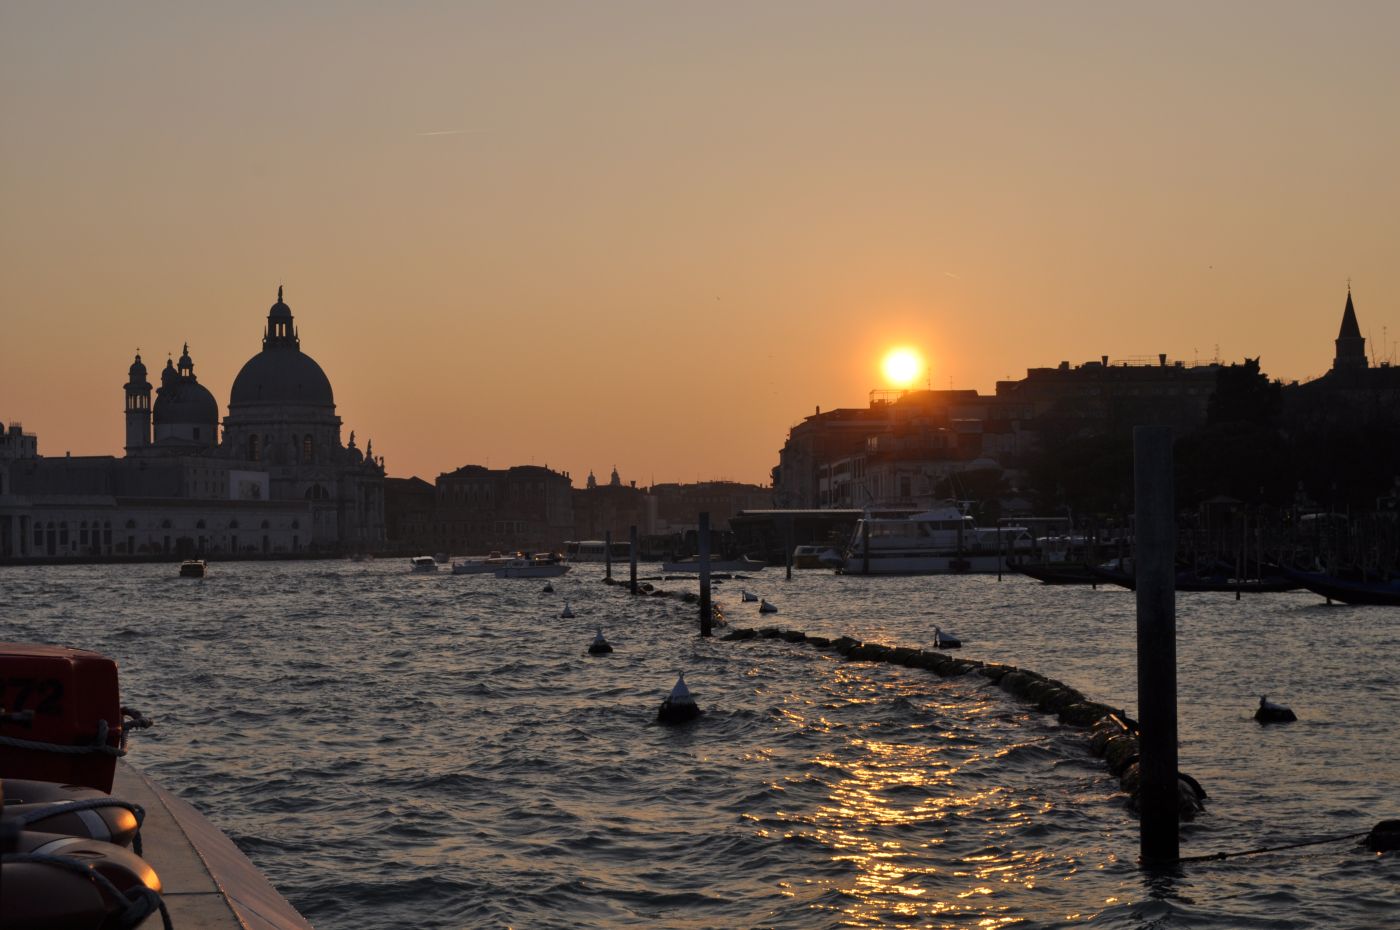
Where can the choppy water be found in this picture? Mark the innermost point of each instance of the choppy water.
(400, 750)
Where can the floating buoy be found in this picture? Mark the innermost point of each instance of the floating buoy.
(568, 612)
(599, 646)
(766, 608)
(748, 596)
(1269, 712)
(679, 707)
(548, 588)
(943, 639)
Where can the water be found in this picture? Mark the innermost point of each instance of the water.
(400, 750)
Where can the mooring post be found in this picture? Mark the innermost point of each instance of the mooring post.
(787, 546)
(632, 552)
(1000, 560)
(865, 544)
(1155, 532)
(704, 540)
(607, 554)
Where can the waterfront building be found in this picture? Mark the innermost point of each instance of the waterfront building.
(478, 509)
(280, 481)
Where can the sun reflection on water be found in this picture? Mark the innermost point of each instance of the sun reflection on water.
(892, 793)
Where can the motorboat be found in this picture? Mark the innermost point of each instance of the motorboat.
(743, 564)
(941, 541)
(815, 557)
(596, 550)
(536, 566)
(482, 566)
(193, 568)
(423, 563)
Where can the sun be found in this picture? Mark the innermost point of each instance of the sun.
(902, 366)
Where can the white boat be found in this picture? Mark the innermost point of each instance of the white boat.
(482, 566)
(716, 565)
(815, 557)
(539, 566)
(941, 541)
(596, 550)
(193, 568)
(423, 563)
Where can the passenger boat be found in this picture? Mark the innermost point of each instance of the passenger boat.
(941, 541)
(186, 870)
(423, 563)
(536, 566)
(744, 564)
(596, 550)
(193, 568)
(1374, 592)
(483, 566)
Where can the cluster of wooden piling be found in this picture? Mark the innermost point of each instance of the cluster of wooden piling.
(1114, 738)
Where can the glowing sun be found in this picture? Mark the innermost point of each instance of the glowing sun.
(902, 366)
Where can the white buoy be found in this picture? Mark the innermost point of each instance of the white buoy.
(766, 608)
(599, 646)
(748, 595)
(944, 639)
(1269, 712)
(568, 612)
(679, 707)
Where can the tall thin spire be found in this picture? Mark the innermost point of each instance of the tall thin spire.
(1351, 346)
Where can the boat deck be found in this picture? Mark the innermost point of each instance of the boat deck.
(207, 883)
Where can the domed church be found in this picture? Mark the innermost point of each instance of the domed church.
(281, 447)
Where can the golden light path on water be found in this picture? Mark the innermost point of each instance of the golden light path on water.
(891, 801)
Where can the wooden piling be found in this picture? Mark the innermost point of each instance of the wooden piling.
(865, 544)
(632, 554)
(607, 554)
(787, 546)
(706, 619)
(1155, 536)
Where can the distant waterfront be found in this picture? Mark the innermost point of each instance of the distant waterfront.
(399, 750)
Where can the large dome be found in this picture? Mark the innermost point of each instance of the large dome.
(185, 402)
(281, 375)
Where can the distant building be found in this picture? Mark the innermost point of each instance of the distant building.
(478, 509)
(279, 482)
(1353, 392)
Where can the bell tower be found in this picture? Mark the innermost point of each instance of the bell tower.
(1351, 346)
(138, 407)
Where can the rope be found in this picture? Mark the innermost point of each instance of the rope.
(58, 808)
(141, 901)
(99, 744)
(1216, 857)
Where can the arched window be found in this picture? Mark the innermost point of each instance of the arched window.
(131, 524)
(253, 448)
(165, 524)
(266, 525)
(296, 524)
(199, 524)
(306, 448)
(233, 524)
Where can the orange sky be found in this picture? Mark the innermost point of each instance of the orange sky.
(656, 235)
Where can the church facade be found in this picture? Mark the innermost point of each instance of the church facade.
(278, 481)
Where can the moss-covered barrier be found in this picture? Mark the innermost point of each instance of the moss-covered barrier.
(1113, 737)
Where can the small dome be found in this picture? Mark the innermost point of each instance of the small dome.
(185, 401)
(169, 375)
(279, 310)
(137, 371)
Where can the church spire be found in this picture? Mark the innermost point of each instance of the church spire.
(1351, 345)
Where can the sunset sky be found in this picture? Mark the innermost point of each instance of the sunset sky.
(657, 235)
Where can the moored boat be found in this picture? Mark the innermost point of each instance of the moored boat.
(536, 566)
(423, 563)
(743, 564)
(941, 541)
(193, 568)
(1375, 592)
